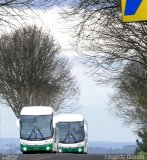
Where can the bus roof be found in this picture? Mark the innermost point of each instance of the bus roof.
(69, 117)
(36, 110)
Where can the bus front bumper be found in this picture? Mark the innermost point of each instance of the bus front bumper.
(36, 148)
(71, 150)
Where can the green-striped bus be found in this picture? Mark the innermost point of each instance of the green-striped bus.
(71, 134)
(36, 129)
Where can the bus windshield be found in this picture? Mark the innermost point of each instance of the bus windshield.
(36, 127)
(71, 132)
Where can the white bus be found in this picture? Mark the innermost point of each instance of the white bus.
(36, 129)
(71, 134)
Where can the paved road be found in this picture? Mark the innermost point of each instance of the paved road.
(61, 157)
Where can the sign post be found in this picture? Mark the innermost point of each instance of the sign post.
(134, 10)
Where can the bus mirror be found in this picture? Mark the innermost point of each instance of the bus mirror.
(17, 123)
(54, 124)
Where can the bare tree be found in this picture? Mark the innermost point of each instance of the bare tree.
(131, 92)
(89, 15)
(107, 43)
(32, 72)
(131, 100)
(12, 11)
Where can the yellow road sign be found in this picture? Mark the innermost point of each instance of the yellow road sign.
(134, 10)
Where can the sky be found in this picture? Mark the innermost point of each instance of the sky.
(93, 99)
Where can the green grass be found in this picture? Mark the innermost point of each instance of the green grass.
(142, 154)
(139, 156)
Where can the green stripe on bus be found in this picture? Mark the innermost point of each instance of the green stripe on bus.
(72, 150)
(28, 148)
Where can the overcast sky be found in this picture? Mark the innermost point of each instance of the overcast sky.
(93, 99)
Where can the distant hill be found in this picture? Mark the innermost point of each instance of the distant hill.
(125, 150)
(6, 144)
(100, 147)
(104, 147)
(113, 145)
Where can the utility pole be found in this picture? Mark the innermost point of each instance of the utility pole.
(0, 126)
(11, 147)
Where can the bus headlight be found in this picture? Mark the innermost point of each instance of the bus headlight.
(80, 150)
(24, 148)
(60, 150)
(47, 148)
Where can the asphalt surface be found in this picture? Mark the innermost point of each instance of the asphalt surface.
(71, 157)
(60, 157)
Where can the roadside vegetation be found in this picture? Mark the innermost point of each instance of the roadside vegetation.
(114, 52)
